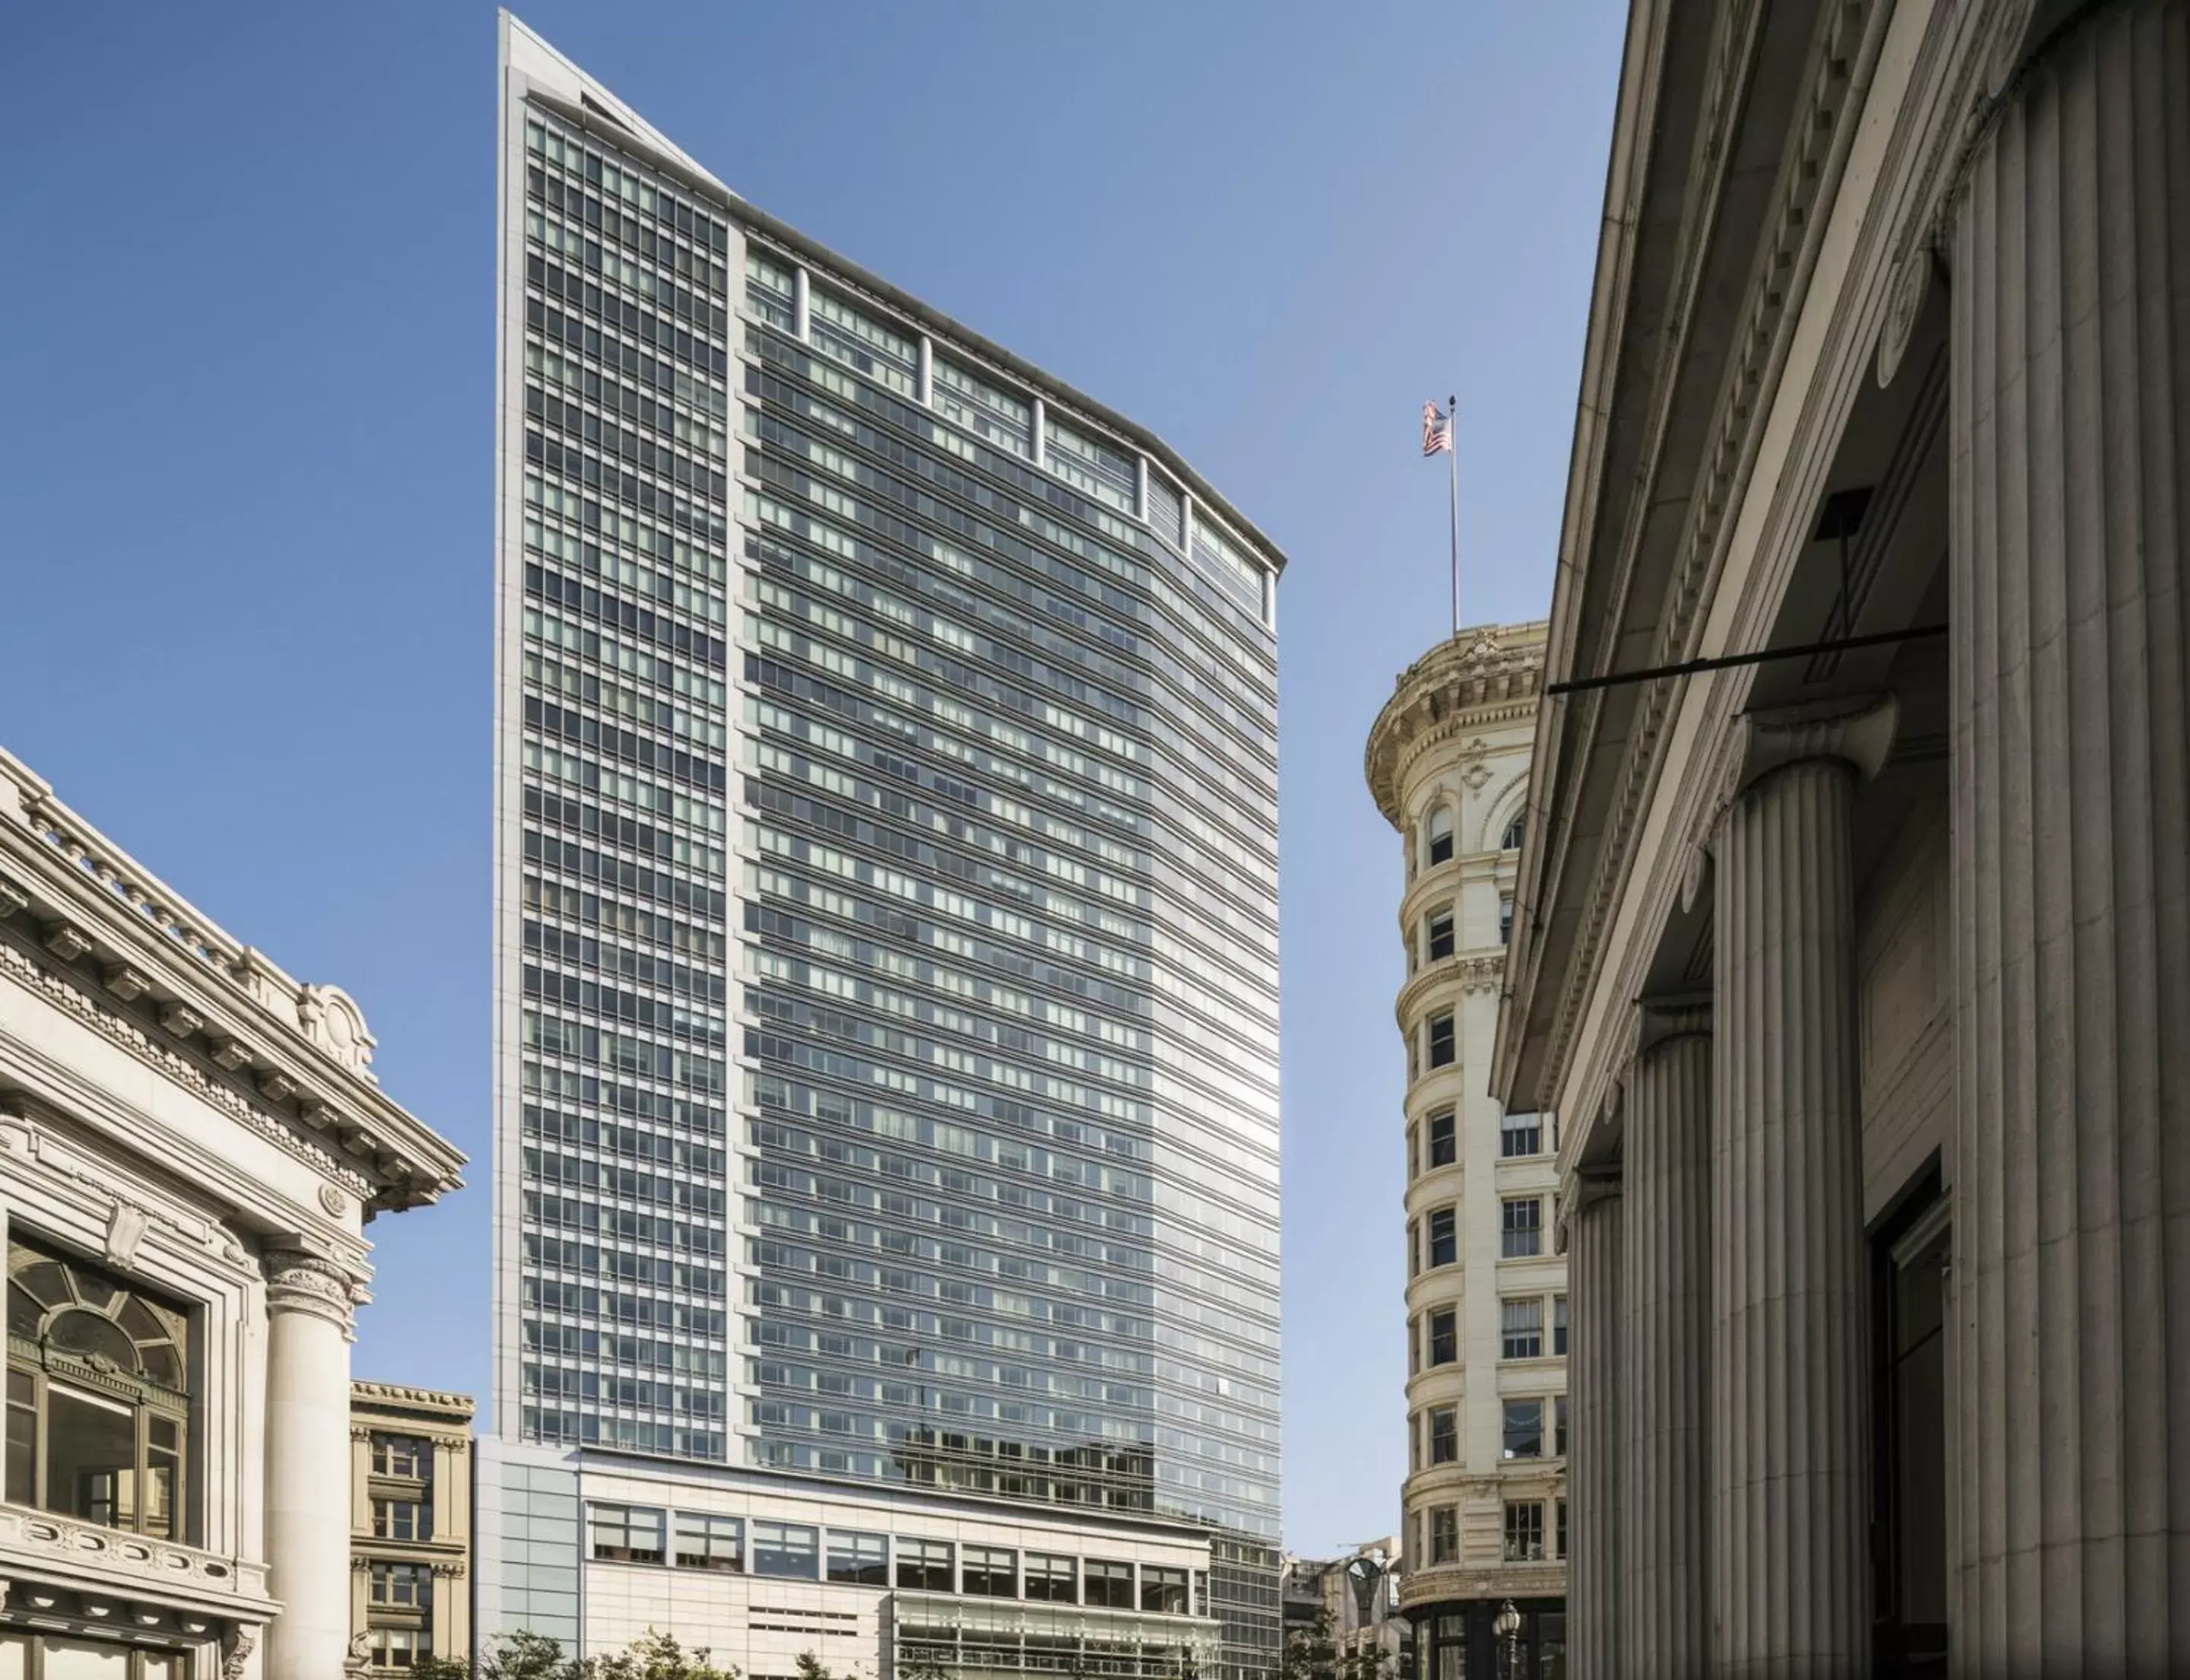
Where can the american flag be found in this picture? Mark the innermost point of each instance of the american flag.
(1436, 431)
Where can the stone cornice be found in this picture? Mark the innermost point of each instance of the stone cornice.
(1452, 1583)
(109, 941)
(1454, 976)
(1482, 678)
(61, 989)
(1968, 61)
(369, 1396)
(1838, 74)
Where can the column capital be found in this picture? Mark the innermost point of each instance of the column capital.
(1594, 1184)
(1582, 1190)
(1660, 1021)
(1858, 730)
(298, 1282)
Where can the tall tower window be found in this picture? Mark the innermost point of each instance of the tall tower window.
(1442, 1047)
(1439, 943)
(1521, 1224)
(1444, 1147)
(1444, 1246)
(1438, 832)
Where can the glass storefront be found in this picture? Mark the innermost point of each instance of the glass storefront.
(1461, 1642)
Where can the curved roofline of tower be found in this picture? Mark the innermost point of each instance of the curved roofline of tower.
(597, 110)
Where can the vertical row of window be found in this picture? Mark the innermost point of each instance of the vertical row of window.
(626, 372)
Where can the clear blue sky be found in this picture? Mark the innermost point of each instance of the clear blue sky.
(245, 564)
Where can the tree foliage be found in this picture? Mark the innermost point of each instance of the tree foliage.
(1312, 1653)
(533, 1656)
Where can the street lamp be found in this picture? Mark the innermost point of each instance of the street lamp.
(1507, 1628)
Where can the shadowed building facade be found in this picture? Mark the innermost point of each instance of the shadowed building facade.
(1858, 971)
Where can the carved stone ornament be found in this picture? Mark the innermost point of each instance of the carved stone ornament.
(236, 1646)
(1912, 285)
(358, 1660)
(276, 1086)
(333, 1200)
(66, 942)
(125, 1230)
(331, 1019)
(1473, 771)
(180, 1019)
(126, 983)
(13, 898)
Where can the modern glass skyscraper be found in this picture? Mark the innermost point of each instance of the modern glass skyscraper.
(887, 978)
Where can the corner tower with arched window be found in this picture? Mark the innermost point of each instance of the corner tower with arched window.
(1484, 1500)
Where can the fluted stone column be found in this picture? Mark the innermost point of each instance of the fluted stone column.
(1593, 1316)
(1790, 1470)
(308, 1465)
(2069, 258)
(1665, 1348)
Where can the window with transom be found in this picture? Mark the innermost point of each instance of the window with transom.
(404, 1455)
(98, 1394)
(1438, 831)
(1444, 1148)
(1437, 942)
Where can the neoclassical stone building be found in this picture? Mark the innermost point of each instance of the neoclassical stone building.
(190, 1144)
(1860, 971)
(1484, 1503)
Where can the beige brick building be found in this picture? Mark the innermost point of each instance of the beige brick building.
(410, 1525)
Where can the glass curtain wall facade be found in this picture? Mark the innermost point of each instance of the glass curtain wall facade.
(888, 850)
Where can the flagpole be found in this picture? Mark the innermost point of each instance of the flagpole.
(1452, 454)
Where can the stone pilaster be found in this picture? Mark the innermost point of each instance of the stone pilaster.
(1665, 1349)
(2069, 254)
(308, 1302)
(1790, 1406)
(1593, 1385)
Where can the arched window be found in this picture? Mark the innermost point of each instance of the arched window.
(1512, 840)
(1438, 831)
(98, 1396)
